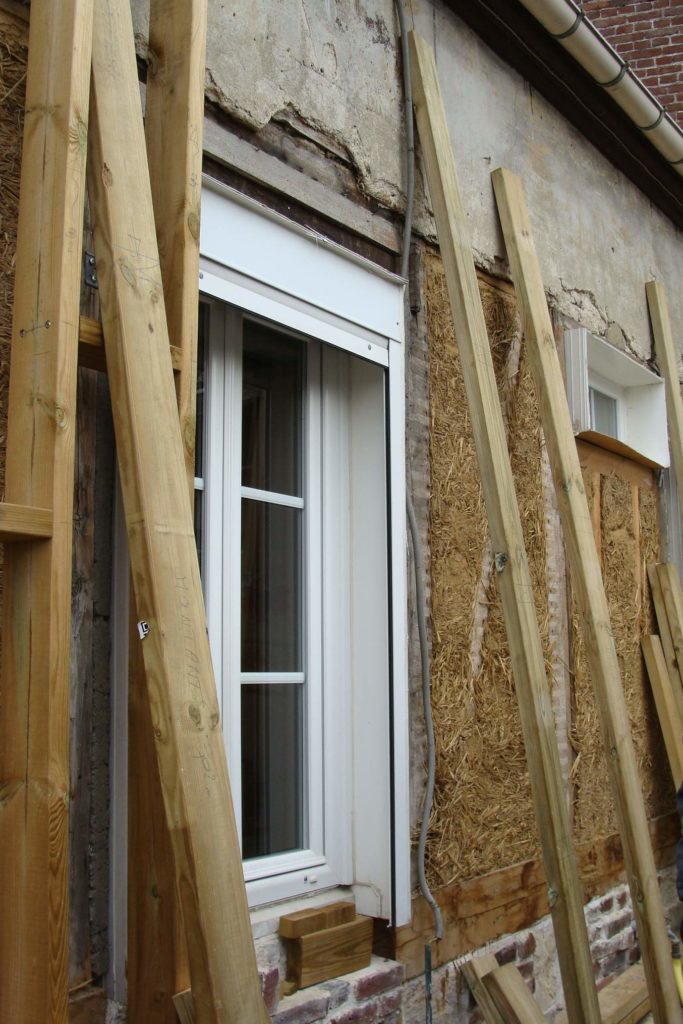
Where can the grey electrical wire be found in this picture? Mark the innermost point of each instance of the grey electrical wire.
(418, 561)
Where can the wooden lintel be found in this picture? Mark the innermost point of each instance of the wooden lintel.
(24, 522)
(91, 346)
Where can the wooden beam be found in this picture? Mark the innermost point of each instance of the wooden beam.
(474, 971)
(174, 121)
(665, 636)
(34, 705)
(668, 367)
(667, 709)
(24, 522)
(670, 584)
(91, 346)
(509, 992)
(168, 594)
(514, 578)
(590, 594)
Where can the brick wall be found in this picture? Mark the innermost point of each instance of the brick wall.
(649, 35)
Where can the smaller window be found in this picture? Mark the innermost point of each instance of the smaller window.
(611, 395)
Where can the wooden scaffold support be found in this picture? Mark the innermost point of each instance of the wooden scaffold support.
(34, 701)
(174, 121)
(510, 557)
(668, 367)
(180, 683)
(590, 594)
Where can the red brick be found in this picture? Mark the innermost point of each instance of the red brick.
(302, 1008)
(270, 988)
(389, 1003)
(526, 947)
(382, 979)
(363, 1014)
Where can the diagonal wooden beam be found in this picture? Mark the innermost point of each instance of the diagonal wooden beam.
(512, 568)
(180, 683)
(668, 367)
(174, 121)
(590, 593)
(34, 701)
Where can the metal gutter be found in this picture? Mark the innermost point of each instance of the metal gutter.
(566, 22)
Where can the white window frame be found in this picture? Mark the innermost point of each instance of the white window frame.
(639, 393)
(261, 263)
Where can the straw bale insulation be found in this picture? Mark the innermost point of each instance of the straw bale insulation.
(483, 817)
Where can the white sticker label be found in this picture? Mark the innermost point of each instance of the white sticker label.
(143, 629)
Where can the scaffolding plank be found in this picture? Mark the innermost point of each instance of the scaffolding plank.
(668, 367)
(667, 709)
(180, 683)
(174, 121)
(514, 579)
(590, 593)
(34, 713)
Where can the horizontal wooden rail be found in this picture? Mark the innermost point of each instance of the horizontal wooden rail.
(91, 346)
(24, 522)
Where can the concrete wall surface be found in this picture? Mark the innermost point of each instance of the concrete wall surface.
(335, 67)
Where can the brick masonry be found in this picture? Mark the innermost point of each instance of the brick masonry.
(379, 994)
(649, 35)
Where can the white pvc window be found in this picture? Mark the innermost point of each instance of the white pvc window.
(303, 561)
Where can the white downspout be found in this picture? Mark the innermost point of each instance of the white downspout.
(567, 23)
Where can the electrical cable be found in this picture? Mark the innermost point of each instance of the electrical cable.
(418, 560)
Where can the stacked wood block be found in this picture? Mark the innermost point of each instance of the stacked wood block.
(324, 943)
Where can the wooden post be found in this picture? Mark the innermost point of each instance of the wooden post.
(590, 595)
(180, 683)
(512, 569)
(668, 367)
(667, 709)
(174, 121)
(34, 711)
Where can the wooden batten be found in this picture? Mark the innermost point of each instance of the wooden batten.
(512, 569)
(34, 710)
(23, 522)
(508, 990)
(590, 593)
(174, 120)
(180, 682)
(668, 367)
(474, 972)
(667, 709)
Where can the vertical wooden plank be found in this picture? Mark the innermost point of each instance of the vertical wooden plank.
(174, 121)
(180, 683)
(670, 584)
(668, 367)
(665, 635)
(34, 712)
(596, 512)
(667, 711)
(590, 593)
(512, 569)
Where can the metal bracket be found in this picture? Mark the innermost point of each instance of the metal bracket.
(89, 270)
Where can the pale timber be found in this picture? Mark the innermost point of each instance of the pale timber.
(91, 346)
(590, 594)
(668, 367)
(24, 522)
(670, 584)
(174, 120)
(474, 971)
(180, 682)
(505, 528)
(667, 710)
(507, 988)
(34, 701)
(665, 635)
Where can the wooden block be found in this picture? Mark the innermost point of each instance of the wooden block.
(330, 953)
(667, 709)
(184, 1007)
(514, 1001)
(624, 1000)
(474, 972)
(302, 922)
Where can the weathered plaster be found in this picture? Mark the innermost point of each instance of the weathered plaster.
(334, 66)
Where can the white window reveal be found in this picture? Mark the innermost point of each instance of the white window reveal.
(613, 396)
(299, 463)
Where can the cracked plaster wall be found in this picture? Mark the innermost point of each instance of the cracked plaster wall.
(335, 65)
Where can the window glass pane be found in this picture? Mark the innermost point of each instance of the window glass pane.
(603, 413)
(272, 410)
(271, 587)
(272, 769)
